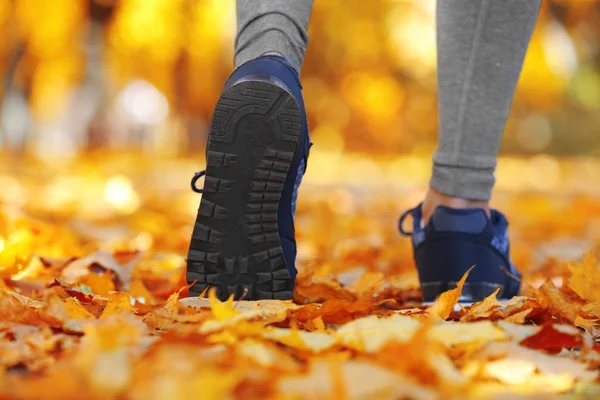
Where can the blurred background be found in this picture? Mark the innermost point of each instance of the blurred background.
(86, 74)
(105, 104)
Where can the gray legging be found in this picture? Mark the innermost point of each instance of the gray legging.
(481, 48)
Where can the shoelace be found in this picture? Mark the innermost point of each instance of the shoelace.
(197, 176)
(401, 222)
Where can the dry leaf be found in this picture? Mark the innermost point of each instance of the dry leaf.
(482, 309)
(369, 334)
(360, 331)
(443, 306)
(557, 302)
(381, 384)
(585, 278)
(76, 310)
(118, 302)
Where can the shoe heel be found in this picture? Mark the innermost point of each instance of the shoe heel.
(443, 262)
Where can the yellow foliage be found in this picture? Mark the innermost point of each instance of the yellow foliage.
(74, 324)
(585, 278)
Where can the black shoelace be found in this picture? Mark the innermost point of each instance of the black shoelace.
(197, 176)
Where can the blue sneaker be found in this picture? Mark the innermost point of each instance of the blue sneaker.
(243, 240)
(452, 242)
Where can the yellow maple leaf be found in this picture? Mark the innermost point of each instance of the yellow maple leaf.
(585, 278)
(221, 310)
(444, 305)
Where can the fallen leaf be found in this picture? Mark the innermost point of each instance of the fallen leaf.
(313, 341)
(482, 309)
(510, 371)
(381, 384)
(317, 290)
(585, 277)
(453, 333)
(100, 262)
(557, 302)
(518, 318)
(367, 281)
(544, 363)
(444, 305)
(118, 302)
(76, 310)
(371, 333)
(221, 310)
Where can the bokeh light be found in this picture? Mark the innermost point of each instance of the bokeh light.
(369, 76)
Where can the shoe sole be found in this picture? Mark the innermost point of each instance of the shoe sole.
(235, 245)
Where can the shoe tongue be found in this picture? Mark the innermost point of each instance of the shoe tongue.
(466, 220)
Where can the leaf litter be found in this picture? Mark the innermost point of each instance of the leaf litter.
(81, 320)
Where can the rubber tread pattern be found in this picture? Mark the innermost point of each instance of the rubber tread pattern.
(235, 246)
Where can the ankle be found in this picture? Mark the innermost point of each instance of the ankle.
(433, 199)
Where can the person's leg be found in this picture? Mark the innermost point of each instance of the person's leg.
(272, 27)
(243, 240)
(481, 48)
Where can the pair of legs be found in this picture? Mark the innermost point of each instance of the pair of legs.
(481, 48)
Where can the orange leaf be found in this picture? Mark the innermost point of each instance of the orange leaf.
(482, 309)
(367, 281)
(519, 317)
(100, 284)
(557, 302)
(117, 303)
(443, 306)
(76, 310)
(138, 290)
(317, 291)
